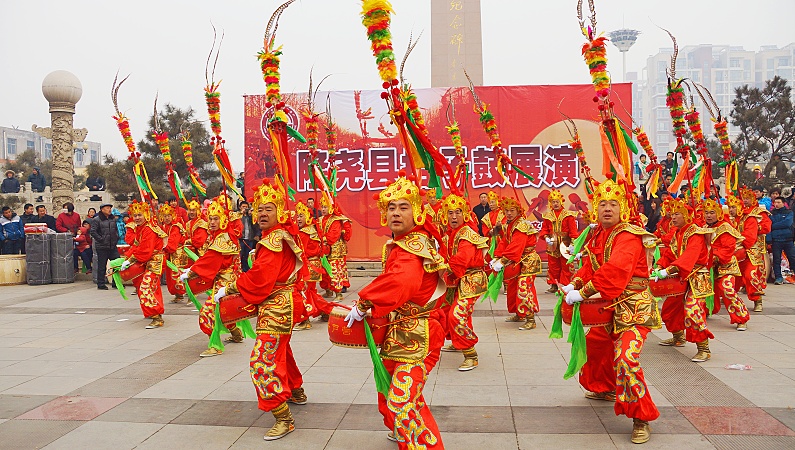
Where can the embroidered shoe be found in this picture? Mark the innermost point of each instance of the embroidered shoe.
(298, 396)
(606, 396)
(210, 352)
(514, 318)
(468, 364)
(641, 432)
(742, 326)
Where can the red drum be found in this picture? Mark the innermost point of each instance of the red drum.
(199, 286)
(668, 287)
(133, 272)
(354, 337)
(593, 312)
(233, 308)
(740, 254)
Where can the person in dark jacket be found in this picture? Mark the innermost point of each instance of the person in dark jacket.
(10, 184)
(28, 216)
(481, 210)
(83, 248)
(250, 236)
(105, 236)
(43, 217)
(776, 168)
(95, 183)
(781, 237)
(12, 233)
(37, 180)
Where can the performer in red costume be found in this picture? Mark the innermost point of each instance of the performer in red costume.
(616, 268)
(195, 230)
(173, 250)
(147, 251)
(466, 280)
(664, 228)
(725, 240)
(310, 242)
(217, 267)
(335, 232)
(408, 289)
(753, 222)
(559, 226)
(687, 257)
(516, 253)
(494, 219)
(274, 284)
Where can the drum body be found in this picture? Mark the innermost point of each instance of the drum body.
(594, 312)
(134, 271)
(233, 308)
(668, 287)
(199, 286)
(13, 270)
(354, 337)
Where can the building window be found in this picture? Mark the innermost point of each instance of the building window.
(79, 157)
(47, 151)
(31, 145)
(11, 147)
(94, 158)
(771, 63)
(662, 139)
(783, 61)
(734, 62)
(662, 113)
(661, 125)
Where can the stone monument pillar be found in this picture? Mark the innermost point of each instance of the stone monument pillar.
(62, 90)
(456, 43)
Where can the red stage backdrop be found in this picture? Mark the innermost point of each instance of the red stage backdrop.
(369, 154)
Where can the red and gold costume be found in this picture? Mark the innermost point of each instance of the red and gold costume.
(688, 257)
(274, 285)
(516, 251)
(196, 231)
(753, 223)
(216, 267)
(725, 241)
(313, 249)
(408, 289)
(466, 278)
(147, 251)
(616, 268)
(495, 217)
(173, 250)
(335, 230)
(664, 228)
(559, 226)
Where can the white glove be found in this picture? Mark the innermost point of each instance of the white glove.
(354, 316)
(568, 288)
(496, 265)
(573, 297)
(125, 265)
(220, 294)
(571, 249)
(593, 225)
(578, 256)
(549, 240)
(660, 275)
(183, 277)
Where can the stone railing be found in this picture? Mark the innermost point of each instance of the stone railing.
(82, 199)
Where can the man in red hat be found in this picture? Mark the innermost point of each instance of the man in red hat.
(335, 232)
(559, 227)
(753, 222)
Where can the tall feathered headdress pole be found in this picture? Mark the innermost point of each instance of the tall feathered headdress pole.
(331, 147)
(161, 139)
(196, 183)
(318, 180)
(576, 144)
(123, 124)
(729, 162)
(278, 128)
(461, 174)
(401, 101)
(212, 97)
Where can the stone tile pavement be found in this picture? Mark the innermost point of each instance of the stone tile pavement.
(78, 370)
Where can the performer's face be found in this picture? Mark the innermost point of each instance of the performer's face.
(455, 217)
(747, 202)
(299, 218)
(266, 216)
(511, 213)
(214, 223)
(678, 219)
(492, 204)
(400, 217)
(166, 219)
(432, 200)
(192, 214)
(710, 216)
(609, 213)
(139, 219)
(324, 210)
(733, 211)
(556, 205)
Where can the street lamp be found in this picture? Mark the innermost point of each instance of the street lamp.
(624, 39)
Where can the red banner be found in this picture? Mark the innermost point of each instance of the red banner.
(369, 154)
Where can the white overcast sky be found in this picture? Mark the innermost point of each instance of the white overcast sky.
(164, 44)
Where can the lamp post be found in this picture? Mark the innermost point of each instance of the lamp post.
(62, 90)
(624, 39)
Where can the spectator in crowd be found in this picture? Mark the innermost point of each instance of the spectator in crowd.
(83, 246)
(786, 194)
(653, 215)
(758, 173)
(481, 210)
(28, 216)
(10, 184)
(781, 237)
(155, 206)
(241, 182)
(310, 203)
(668, 164)
(91, 213)
(250, 235)
(12, 233)
(181, 213)
(68, 221)
(640, 174)
(37, 180)
(95, 183)
(776, 168)
(774, 194)
(121, 225)
(763, 200)
(105, 236)
(43, 217)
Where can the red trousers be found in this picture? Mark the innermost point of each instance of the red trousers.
(339, 276)
(686, 313)
(175, 286)
(273, 370)
(613, 365)
(753, 279)
(459, 323)
(558, 270)
(724, 291)
(522, 297)
(319, 304)
(149, 293)
(404, 409)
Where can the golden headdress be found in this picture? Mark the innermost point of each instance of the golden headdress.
(680, 205)
(302, 210)
(712, 205)
(269, 194)
(194, 205)
(555, 194)
(402, 188)
(137, 207)
(451, 203)
(607, 191)
(165, 210)
(732, 200)
(218, 208)
(511, 203)
(493, 196)
(748, 194)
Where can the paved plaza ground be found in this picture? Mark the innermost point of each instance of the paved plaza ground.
(78, 370)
